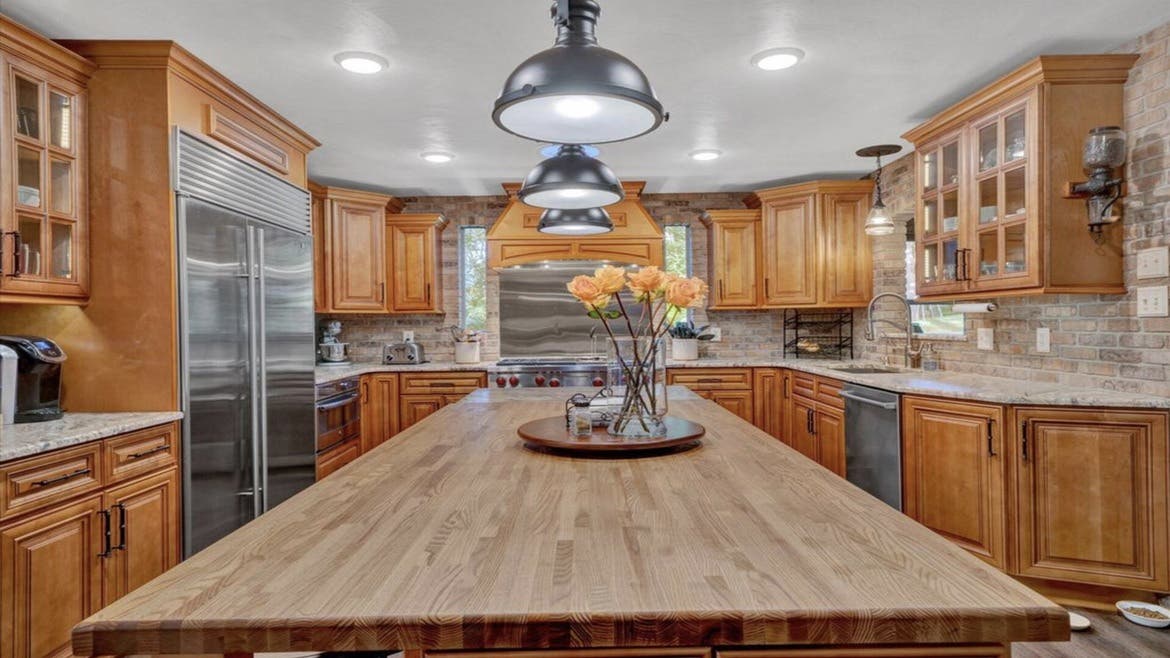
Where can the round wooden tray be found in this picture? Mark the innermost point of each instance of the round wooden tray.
(550, 434)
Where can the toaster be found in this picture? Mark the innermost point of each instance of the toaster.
(408, 353)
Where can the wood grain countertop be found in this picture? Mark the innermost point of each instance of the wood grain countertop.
(454, 536)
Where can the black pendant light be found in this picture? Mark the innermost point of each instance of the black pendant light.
(577, 92)
(571, 180)
(588, 221)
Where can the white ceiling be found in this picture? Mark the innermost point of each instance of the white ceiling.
(874, 69)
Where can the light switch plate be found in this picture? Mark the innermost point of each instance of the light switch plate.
(407, 336)
(717, 334)
(1153, 263)
(1043, 339)
(986, 338)
(1152, 301)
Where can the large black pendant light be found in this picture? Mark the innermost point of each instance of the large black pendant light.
(589, 221)
(571, 180)
(577, 92)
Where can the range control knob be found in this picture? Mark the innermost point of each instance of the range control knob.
(539, 379)
(554, 382)
(597, 381)
(514, 380)
(501, 381)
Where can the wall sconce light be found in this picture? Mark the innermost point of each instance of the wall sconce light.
(879, 221)
(1103, 154)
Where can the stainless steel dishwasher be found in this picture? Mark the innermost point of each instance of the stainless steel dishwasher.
(873, 442)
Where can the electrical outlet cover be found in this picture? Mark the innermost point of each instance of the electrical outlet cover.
(1043, 339)
(986, 338)
(716, 333)
(1153, 263)
(407, 336)
(1152, 302)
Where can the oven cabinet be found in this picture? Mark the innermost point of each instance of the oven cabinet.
(81, 527)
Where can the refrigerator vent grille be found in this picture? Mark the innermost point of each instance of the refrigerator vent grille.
(214, 175)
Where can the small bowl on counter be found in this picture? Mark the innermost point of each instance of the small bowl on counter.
(1144, 614)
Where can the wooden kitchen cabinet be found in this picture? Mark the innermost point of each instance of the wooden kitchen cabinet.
(333, 459)
(991, 171)
(800, 419)
(730, 388)
(415, 260)
(770, 386)
(815, 424)
(379, 409)
(734, 238)
(953, 473)
(44, 218)
(423, 393)
(353, 227)
(145, 521)
(1091, 491)
(414, 408)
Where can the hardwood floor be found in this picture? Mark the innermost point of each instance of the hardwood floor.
(1111, 636)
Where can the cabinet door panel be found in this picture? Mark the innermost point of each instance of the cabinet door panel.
(357, 260)
(769, 400)
(1092, 490)
(412, 256)
(953, 483)
(800, 427)
(846, 261)
(733, 268)
(52, 579)
(414, 408)
(145, 534)
(379, 410)
(737, 402)
(829, 425)
(790, 252)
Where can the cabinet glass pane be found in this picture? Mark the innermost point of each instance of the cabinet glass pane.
(30, 245)
(950, 256)
(950, 168)
(60, 120)
(930, 217)
(989, 253)
(930, 262)
(1015, 249)
(28, 108)
(1014, 138)
(988, 200)
(1013, 192)
(930, 171)
(62, 246)
(988, 147)
(28, 177)
(950, 212)
(61, 186)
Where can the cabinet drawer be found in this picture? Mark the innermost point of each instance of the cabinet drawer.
(711, 379)
(137, 453)
(829, 392)
(333, 459)
(804, 385)
(446, 383)
(36, 482)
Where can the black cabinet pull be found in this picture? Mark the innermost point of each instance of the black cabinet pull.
(105, 514)
(121, 528)
(61, 478)
(17, 264)
(990, 439)
(812, 427)
(1024, 438)
(139, 455)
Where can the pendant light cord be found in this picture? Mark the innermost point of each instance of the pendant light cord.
(878, 186)
(562, 13)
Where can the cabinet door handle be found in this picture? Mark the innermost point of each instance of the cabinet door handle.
(121, 528)
(990, 439)
(812, 430)
(139, 455)
(105, 514)
(721, 295)
(61, 478)
(767, 294)
(382, 292)
(428, 293)
(17, 265)
(1024, 439)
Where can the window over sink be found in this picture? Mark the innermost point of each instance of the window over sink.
(938, 320)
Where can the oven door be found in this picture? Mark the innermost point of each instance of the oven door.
(338, 420)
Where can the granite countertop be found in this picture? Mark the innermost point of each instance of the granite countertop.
(326, 374)
(29, 439)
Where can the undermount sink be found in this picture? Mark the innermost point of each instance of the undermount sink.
(867, 370)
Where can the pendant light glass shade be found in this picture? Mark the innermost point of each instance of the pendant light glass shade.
(589, 221)
(879, 221)
(577, 92)
(571, 180)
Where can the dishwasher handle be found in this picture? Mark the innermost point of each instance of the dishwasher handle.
(857, 398)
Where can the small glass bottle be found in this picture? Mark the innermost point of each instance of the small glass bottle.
(580, 420)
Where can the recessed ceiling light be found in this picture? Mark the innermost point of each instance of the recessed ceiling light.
(437, 157)
(703, 155)
(777, 58)
(359, 62)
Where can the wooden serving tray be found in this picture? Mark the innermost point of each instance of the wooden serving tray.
(551, 435)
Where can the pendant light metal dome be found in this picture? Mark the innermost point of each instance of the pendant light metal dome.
(578, 92)
(571, 180)
(588, 221)
(879, 221)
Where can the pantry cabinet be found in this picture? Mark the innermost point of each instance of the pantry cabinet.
(44, 218)
(992, 215)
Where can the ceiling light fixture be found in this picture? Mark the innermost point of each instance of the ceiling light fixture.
(571, 180)
(577, 92)
(879, 221)
(776, 59)
(705, 155)
(585, 221)
(359, 62)
(437, 157)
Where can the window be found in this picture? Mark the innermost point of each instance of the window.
(931, 320)
(473, 276)
(677, 244)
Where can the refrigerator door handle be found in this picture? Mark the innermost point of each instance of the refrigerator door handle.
(261, 331)
(254, 368)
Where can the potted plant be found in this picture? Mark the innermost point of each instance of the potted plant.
(684, 340)
(466, 344)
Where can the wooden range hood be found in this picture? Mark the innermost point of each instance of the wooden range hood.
(636, 238)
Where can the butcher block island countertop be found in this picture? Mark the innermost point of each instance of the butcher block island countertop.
(453, 536)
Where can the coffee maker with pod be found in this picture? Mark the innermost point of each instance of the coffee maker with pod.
(331, 351)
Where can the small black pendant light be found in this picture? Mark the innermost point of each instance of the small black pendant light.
(879, 221)
(571, 180)
(578, 92)
(588, 221)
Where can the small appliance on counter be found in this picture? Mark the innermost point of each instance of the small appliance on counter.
(407, 353)
(38, 378)
(331, 351)
(8, 360)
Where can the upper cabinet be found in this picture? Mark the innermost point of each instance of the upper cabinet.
(414, 260)
(43, 150)
(991, 212)
(804, 246)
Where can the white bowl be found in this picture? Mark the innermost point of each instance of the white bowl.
(1125, 606)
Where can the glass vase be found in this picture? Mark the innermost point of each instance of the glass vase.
(637, 376)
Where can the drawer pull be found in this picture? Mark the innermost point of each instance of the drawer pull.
(161, 448)
(61, 478)
(442, 384)
(709, 380)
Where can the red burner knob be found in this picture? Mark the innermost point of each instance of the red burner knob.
(501, 381)
(597, 381)
(514, 380)
(539, 379)
(554, 382)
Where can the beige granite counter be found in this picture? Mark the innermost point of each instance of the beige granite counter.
(28, 439)
(326, 374)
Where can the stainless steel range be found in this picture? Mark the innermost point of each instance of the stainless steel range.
(550, 372)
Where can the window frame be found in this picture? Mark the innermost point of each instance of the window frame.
(463, 231)
(912, 296)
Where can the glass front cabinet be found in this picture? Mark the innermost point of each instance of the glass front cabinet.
(43, 218)
(991, 212)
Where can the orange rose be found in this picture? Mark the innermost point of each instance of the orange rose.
(611, 279)
(686, 293)
(648, 282)
(587, 291)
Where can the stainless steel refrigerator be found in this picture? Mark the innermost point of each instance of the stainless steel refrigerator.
(247, 337)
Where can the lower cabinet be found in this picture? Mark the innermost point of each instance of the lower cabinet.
(770, 393)
(145, 521)
(330, 461)
(413, 408)
(817, 430)
(379, 409)
(730, 388)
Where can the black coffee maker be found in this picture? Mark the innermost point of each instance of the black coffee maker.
(38, 378)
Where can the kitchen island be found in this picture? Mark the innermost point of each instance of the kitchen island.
(454, 537)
